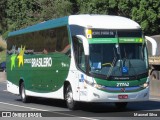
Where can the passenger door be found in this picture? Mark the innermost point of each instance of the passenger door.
(80, 60)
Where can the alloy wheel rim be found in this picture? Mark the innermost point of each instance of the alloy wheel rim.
(69, 97)
(23, 93)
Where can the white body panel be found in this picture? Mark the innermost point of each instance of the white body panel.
(12, 88)
(103, 22)
(15, 90)
(154, 44)
(57, 95)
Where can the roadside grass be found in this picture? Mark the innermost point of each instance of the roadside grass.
(3, 56)
(3, 46)
(2, 43)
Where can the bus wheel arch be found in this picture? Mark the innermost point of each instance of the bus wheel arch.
(68, 96)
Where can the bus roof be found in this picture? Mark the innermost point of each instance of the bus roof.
(103, 22)
(88, 21)
(41, 26)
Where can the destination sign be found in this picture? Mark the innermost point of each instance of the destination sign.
(130, 40)
(103, 33)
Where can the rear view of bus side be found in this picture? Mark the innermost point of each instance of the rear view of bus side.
(89, 58)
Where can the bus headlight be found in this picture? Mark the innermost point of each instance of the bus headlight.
(145, 85)
(89, 82)
(93, 84)
(98, 86)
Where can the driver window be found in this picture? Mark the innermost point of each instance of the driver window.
(79, 53)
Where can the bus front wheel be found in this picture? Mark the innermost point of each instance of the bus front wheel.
(121, 105)
(71, 104)
(23, 95)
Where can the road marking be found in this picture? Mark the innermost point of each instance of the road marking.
(48, 111)
(154, 99)
(3, 81)
(5, 90)
(22, 106)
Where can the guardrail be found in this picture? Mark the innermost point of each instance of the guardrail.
(154, 60)
(155, 87)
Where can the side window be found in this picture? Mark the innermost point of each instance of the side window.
(11, 45)
(79, 53)
(43, 42)
(62, 39)
(51, 41)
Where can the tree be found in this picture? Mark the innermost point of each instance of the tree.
(93, 6)
(21, 13)
(54, 8)
(2, 16)
(147, 13)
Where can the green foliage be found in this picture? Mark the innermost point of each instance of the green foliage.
(147, 14)
(54, 8)
(2, 50)
(17, 14)
(21, 13)
(96, 6)
(2, 15)
(2, 56)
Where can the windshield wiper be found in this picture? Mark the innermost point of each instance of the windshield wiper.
(130, 64)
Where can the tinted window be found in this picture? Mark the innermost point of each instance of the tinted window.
(62, 39)
(79, 53)
(45, 41)
(129, 33)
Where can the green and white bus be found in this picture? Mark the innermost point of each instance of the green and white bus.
(88, 58)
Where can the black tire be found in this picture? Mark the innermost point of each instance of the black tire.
(4, 70)
(23, 95)
(71, 104)
(121, 105)
(154, 75)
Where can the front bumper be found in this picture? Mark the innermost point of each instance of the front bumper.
(96, 95)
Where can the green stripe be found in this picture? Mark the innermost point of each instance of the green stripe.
(113, 83)
(130, 40)
(103, 40)
(115, 40)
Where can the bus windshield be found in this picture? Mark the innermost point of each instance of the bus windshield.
(123, 59)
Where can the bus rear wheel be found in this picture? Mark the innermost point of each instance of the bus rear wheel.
(121, 105)
(23, 95)
(71, 104)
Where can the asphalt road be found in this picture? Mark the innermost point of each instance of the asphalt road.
(58, 109)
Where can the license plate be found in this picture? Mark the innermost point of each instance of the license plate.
(122, 96)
